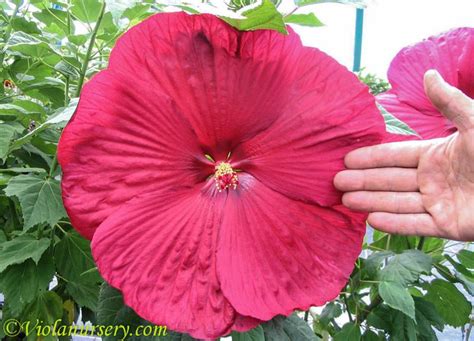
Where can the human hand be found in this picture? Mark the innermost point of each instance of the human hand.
(421, 188)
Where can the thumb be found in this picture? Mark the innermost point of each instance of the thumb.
(451, 102)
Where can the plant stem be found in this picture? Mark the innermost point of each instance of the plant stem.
(15, 12)
(449, 275)
(375, 303)
(9, 29)
(387, 246)
(468, 332)
(306, 315)
(421, 243)
(347, 308)
(290, 13)
(66, 92)
(54, 164)
(85, 64)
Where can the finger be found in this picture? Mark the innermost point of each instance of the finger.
(394, 154)
(451, 102)
(377, 179)
(405, 224)
(394, 202)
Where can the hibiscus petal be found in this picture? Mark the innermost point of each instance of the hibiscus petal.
(427, 125)
(214, 73)
(275, 254)
(466, 65)
(124, 139)
(410, 64)
(159, 250)
(328, 114)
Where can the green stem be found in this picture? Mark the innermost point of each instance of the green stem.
(292, 11)
(375, 303)
(421, 243)
(387, 246)
(66, 92)
(468, 333)
(85, 64)
(347, 308)
(69, 18)
(9, 29)
(449, 275)
(40, 231)
(54, 164)
(15, 12)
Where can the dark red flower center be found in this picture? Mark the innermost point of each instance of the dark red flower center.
(225, 176)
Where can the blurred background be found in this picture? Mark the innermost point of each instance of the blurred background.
(389, 25)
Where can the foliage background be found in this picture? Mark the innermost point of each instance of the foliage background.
(402, 288)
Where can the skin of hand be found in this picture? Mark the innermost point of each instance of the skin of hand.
(423, 188)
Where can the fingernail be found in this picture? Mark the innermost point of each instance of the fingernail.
(433, 73)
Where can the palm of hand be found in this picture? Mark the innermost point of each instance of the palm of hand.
(445, 177)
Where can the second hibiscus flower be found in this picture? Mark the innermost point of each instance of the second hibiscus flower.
(452, 55)
(200, 163)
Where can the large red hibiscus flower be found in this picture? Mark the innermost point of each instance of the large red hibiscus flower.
(200, 163)
(452, 55)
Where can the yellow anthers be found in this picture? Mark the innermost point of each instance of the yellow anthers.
(225, 176)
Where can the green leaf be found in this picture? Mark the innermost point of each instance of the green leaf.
(54, 19)
(20, 283)
(350, 331)
(67, 69)
(19, 249)
(3, 238)
(304, 20)
(397, 297)
(86, 10)
(21, 24)
(8, 109)
(63, 115)
(60, 117)
(40, 199)
(450, 303)
(137, 12)
(79, 39)
(371, 336)
(30, 107)
(47, 308)
(406, 267)
(290, 328)
(426, 317)
(85, 294)
(393, 242)
(380, 317)
(466, 282)
(112, 311)
(373, 263)
(331, 311)
(394, 125)
(357, 3)
(28, 45)
(20, 170)
(403, 328)
(73, 259)
(466, 257)
(468, 274)
(6, 136)
(255, 334)
(264, 16)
